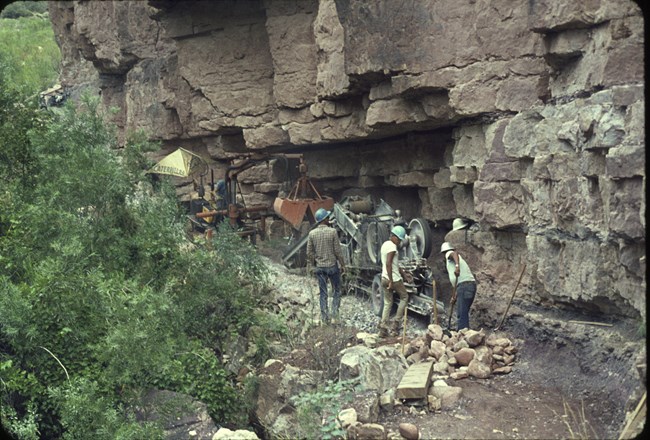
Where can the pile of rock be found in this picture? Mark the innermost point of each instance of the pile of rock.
(449, 355)
(463, 353)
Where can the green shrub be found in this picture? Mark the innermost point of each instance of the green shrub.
(103, 297)
(318, 411)
(87, 413)
(23, 9)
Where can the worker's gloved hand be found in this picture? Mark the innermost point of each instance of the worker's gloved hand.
(311, 270)
(343, 271)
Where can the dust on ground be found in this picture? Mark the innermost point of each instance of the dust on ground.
(553, 392)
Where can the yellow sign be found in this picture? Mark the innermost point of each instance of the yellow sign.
(180, 163)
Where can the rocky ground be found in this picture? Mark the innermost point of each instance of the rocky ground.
(558, 388)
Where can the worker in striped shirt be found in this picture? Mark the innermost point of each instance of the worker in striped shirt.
(323, 252)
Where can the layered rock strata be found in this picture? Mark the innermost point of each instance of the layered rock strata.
(525, 117)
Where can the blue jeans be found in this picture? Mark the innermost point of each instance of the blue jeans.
(332, 274)
(465, 293)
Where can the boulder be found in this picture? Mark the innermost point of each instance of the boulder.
(366, 406)
(387, 399)
(448, 396)
(409, 431)
(239, 434)
(437, 349)
(464, 356)
(474, 337)
(479, 369)
(347, 417)
(379, 369)
(434, 403)
(366, 431)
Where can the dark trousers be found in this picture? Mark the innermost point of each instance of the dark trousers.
(333, 274)
(465, 293)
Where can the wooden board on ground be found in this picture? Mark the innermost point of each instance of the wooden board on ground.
(416, 381)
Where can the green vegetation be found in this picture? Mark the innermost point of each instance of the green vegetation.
(24, 9)
(102, 296)
(318, 411)
(30, 54)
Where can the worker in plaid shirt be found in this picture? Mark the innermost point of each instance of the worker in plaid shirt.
(323, 251)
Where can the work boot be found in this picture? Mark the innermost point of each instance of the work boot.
(394, 327)
(383, 330)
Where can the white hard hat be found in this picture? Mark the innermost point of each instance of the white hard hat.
(459, 223)
(446, 247)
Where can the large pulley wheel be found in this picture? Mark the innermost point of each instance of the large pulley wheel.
(376, 234)
(420, 235)
(377, 296)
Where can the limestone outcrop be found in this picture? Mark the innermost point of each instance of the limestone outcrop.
(524, 117)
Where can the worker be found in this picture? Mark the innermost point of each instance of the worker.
(323, 253)
(220, 195)
(392, 281)
(460, 276)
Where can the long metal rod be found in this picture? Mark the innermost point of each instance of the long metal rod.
(435, 303)
(511, 297)
(453, 301)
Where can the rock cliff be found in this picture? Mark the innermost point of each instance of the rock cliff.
(525, 117)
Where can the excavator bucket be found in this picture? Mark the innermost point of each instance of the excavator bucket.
(293, 208)
(324, 202)
(293, 211)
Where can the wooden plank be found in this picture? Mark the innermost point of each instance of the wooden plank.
(416, 381)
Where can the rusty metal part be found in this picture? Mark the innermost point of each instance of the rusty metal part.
(361, 206)
(297, 204)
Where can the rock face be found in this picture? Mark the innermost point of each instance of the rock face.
(527, 118)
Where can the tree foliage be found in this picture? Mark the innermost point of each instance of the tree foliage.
(102, 295)
(24, 9)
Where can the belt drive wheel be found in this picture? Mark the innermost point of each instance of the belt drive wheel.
(420, 235)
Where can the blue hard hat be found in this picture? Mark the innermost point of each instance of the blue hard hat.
(399, 232)
(321, 214)
(221, 185)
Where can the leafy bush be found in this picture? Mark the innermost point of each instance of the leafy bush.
(318, 411)
(103, 296)
(87, 413)
(23, 9)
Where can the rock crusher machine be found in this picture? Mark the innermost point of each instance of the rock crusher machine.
(363, 226)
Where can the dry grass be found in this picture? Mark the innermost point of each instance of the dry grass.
(576, 422)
